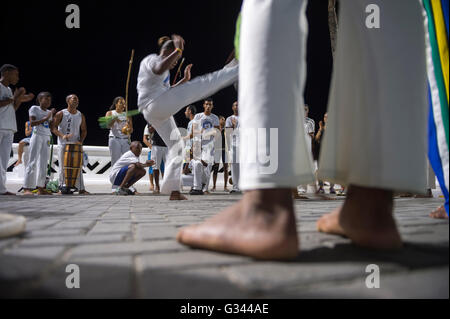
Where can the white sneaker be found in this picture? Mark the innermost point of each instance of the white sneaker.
(11, 225)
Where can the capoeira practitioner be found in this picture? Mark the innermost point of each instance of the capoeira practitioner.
(10, 102)
(128, 170)
(120, 129)
(206, 126)
(373, 82)
(39, 152)
(232, 127)
(158, 101)
(70, 127)
(198, 171)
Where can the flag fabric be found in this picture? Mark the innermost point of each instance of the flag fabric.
(436, 17)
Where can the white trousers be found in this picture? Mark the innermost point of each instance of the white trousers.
(271, 85)
(159, 154)
(117, 147)
(235, 167)
(200, 176)
(39, 154)
(80, 181)
(376, 132)
(159, 113)
(6, 140)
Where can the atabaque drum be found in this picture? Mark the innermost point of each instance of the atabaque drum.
(73, 159)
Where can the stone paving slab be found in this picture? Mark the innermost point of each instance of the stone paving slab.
(126, 248)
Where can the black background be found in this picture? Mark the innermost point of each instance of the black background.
(92, 61)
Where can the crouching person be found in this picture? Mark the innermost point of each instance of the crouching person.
(127, 171)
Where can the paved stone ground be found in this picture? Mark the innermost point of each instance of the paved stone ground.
(125, 248)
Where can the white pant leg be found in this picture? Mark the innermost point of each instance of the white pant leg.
(235, 168)
(30, 171)
(6, 140)
(271, 85)
(115, 150)
(61, 164)
(159, 113)
(36, 169)
(44, 157)
(124, 146)
(199, 175)
(376, 132)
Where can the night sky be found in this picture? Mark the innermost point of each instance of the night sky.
(92, 61)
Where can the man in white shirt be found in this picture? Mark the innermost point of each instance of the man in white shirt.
(10, 225)
(39, 152)
(70, 127)
(9, 104)
(127, 171)
(206, 124)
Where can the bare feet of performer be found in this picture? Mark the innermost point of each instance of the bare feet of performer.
(262, 225)
(366, 218)
(439, 213)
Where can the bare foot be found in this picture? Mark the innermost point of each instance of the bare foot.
(84, 192)
(18, 163)
(366, 218)
(28, 192)
(152, 188)
(177, 196)
(225, 189)
(262, 225)
(439, 213)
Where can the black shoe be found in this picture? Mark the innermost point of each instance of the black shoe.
(196, 192)
(233, 191)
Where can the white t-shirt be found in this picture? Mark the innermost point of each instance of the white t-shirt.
(116, 129)
(150, 85)
(207, 123)
(7, 113)
(229, 121)
(235, 135)
(70, 124)
(126, 160)
(39, 114)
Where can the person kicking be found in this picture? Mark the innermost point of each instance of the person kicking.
(127, 171)
(263, 224)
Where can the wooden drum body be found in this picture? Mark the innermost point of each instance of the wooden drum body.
(73, 159)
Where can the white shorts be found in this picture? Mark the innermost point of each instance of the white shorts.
(159, 154)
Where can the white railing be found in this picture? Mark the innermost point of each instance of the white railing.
(95, 172)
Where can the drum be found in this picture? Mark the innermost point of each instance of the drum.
(73, 158)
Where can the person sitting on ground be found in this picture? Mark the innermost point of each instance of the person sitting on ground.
(24, 142)
(128, 170)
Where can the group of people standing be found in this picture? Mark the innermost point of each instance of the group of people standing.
(69, 125)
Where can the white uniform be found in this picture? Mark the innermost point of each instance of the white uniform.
(39, 150)
(126, 159)
(233, 145)
(376, 132)
(70, 124)
(8, 127)
(199, 176)
(158, 103)
(119, 143)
